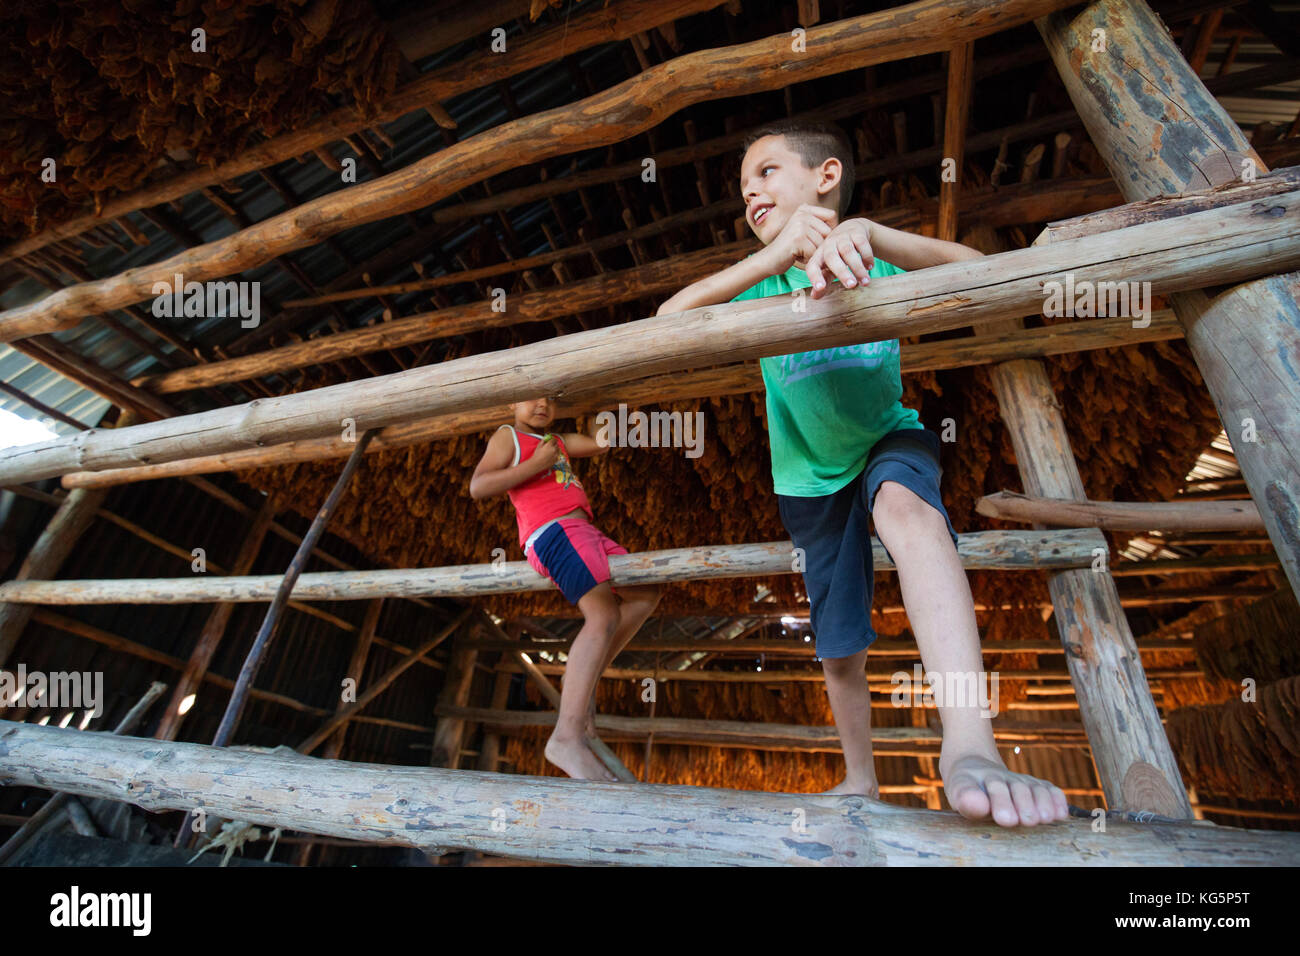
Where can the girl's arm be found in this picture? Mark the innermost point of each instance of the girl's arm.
(494, 475)
(583, 446)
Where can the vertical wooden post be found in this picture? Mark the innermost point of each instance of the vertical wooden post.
(449, 734)
(214, 628)
(1134, 761)
(1176, 138)
(489, 754)
(956, 117)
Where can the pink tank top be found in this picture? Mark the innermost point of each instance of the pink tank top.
(547, 495)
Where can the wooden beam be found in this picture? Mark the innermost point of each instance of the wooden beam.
(981, 549)
(880, 681)
(801, 737)
(1244, 342)
(50, 809)
(956, 117)
(573, 821)
(582, 31)
(107, 639)
(607, 117)
(1123, 515)
(1172, 255)
(284, 587)
(883, 646)
(737, 379)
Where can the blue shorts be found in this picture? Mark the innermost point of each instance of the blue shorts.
(839, 574)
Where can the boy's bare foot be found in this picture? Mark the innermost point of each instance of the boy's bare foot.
(860, 788)
(977, 787)
(591, 720)
(575, 758)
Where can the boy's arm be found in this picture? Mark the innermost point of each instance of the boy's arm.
(910, 251)
(849, 252)
(721, 286)
(494, 475)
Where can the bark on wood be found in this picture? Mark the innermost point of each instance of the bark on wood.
(1123, 515)
(47, 814)
(981, 549)
(1229, 242)
(728, 380)
(610, 116)
(1181, 140)
(534, 49)
(817, 739)
(570, 821)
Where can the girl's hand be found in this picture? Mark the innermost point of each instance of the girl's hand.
(845, 254)
(546, 454)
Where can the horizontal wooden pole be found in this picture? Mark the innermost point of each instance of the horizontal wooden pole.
(707, 383)
(878, 680)
(576, 821)
(742, 733)
(1240, 515)
(1019, 550)
(1232, 243)
(535, 48)
(883, 647)
(610, 116)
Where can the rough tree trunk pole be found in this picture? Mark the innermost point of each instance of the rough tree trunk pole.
(577, 821)
(1178, 139)
(49, 812)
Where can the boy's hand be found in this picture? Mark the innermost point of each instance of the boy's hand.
(845, 254)
(799, 238)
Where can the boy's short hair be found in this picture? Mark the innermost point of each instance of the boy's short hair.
(815, 143)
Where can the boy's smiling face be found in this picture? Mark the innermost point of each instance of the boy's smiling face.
(774, 182)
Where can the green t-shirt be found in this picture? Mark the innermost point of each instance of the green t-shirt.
(827, 408)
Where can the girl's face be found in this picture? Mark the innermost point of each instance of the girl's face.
(535, 413)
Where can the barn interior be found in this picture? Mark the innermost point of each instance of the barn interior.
(165, 142)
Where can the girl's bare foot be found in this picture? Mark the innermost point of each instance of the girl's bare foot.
(591, 719)
(574, 757)
(861, 788)
(978, 787)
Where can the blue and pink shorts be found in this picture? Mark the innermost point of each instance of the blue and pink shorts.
(574, 554)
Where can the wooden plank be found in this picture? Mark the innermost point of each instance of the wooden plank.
(1123, 515)
(981, 549)
(573, 821)
(1182, 140)
(726, 380)
(1171, 255)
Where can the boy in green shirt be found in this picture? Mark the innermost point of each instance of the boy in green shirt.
(845, 448)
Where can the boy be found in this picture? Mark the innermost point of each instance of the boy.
(844, 447)
(560, 542)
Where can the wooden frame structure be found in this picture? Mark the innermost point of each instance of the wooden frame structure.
(1241, 229)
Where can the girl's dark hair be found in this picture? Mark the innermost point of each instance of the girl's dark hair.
(815, 143)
